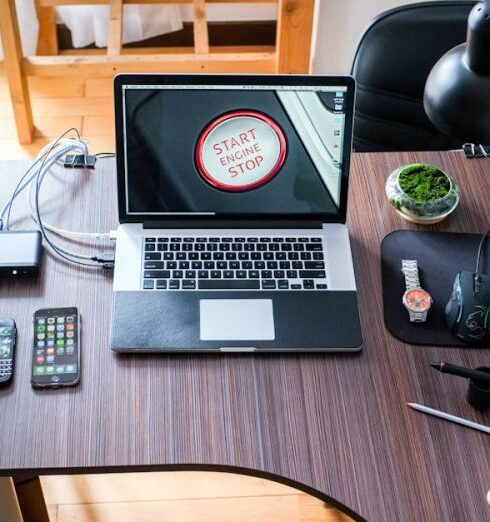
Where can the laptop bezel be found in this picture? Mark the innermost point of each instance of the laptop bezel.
(232, 79)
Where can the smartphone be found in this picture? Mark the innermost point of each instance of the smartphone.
(7, 346)
(56, 353)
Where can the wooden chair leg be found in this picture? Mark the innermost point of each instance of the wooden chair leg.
(294, 31)
(31, 499)
(47, 41)
(13, 62)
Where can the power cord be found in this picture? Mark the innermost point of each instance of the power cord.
(48, 157)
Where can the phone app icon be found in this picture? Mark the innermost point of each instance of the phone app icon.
(41, 320)
(60, 351)
(70, 326)
(60, 369)
(60, 320)
(39, 352)
(70, 319)
(50, 351)
(5, 330)
(70, 334)
(70, 342)
(41, 328)
(40, 344)
(50, 328)
(60, 327)
(60, 342)
(60, 335)
(50, 358)
(51, 320)
(50, 343)
(71, 368)
(41, 336)
(39, 370)
(70, 350)
(50, 335)
(49, 369)
(39, 359)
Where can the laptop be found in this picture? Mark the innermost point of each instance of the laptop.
(232, 195)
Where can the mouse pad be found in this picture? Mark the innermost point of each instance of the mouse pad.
(440, 256)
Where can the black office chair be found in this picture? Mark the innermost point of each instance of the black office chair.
(392, 62)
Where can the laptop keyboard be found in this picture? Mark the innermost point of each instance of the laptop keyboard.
(234, 263)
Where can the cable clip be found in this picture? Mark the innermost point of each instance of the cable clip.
(475, 151)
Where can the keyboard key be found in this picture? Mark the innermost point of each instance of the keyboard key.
(156, 256)
(190, 274)
(292, 274)
(156, 274)
(229, 284)
(202, 274)
(292, 256)
(237, 247)
(174, 284)
(221, 265)
(241, 274)
(272, 265)
(154, 265)
(314, 247)
(305, 256)
(280, 256)
(283, 284)
(161, 284)
(321, 287)
(316, 239)
(187, 247)
(253, 239)
(193, 256)
(253, 274)
(171, 265)
(150, 240)
(314, 265)
(265, 239)
(176, 240)
(274, 247)
(218, 256)
(234, 265)
(202, 240)
(181, 256)
(279, 274)
(312, 274)
(162, 247)
(249, 247)
(148, 285)
(205, 256)
(174, 247)
(303, 239)
(247, 265)
(231, 256)
(188, 285)
(177, 274)
(256, 256)
(278, 239)
(228, 274)
(215, 274)
(168, 256)
(266, 274)
(243, 256)
(240, 240)
(213, 239)
(286, 247)
(268, 256)
(212, 247)
(163, 239)
(284, 265)
(199, 247)
(261, 247)
(149, 247)
(224, 247)
(268, 284)
(196, 265)
(298, 247)
(226, 239)
(308, 284)
(209, 265)
(297, 265)
(296, 287)
(184, 265)
(290, 240)
(188, 240)
(318, 256)
(259, 265)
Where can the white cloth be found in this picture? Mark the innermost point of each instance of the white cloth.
(88, 24)
(29, 26)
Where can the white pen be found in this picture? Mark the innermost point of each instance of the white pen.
(449, 417)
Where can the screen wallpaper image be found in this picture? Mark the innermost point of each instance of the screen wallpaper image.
(233, 150)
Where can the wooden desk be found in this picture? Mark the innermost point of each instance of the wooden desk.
(337, 425)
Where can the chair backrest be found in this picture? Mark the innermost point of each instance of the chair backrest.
(393, 60)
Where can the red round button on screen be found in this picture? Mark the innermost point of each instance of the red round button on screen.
(240, 150)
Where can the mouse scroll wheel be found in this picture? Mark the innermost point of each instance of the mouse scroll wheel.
(477, 283)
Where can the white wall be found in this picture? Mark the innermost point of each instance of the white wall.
(339, 26)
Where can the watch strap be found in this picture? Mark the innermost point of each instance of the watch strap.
(476, 151)
(417, 317)
(411, 272)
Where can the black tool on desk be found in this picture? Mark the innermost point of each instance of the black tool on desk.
(467, 373)
(479, 388)
(467, 311)
(7, 346)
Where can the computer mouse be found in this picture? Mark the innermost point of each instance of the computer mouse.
(468, 308)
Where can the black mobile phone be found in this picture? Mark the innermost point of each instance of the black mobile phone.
(7, 346)
(56, 354)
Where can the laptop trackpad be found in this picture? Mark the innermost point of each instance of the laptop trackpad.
(236, 320)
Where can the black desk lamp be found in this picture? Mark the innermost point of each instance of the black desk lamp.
(457, 92)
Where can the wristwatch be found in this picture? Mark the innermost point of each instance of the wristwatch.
(415, 299)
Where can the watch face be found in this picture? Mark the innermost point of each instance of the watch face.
(417, 300)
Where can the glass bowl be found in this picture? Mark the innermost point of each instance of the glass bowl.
(421, 212)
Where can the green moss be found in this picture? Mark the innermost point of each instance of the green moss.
(423, 183)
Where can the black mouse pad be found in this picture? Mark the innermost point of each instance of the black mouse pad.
(440, 256)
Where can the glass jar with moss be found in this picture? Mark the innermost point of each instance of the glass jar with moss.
(422, 193)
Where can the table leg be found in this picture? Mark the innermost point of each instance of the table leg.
(31, 499)
(8, 501)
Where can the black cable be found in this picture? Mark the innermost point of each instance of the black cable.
(480, 246)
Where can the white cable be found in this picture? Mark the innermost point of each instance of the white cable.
(73, 145)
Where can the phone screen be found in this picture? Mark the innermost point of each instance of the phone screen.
(6, 341)
(56, 355)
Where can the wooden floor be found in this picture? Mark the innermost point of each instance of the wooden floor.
(173, 496)
(180, 497)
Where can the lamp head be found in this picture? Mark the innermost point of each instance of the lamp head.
(457, 92)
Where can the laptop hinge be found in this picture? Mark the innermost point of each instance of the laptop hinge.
(236, 224)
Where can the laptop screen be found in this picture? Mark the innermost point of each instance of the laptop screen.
(241, 150)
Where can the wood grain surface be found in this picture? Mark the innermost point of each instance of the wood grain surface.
(336, 425)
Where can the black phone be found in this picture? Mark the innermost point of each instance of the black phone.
(56, 354)
(7, 346)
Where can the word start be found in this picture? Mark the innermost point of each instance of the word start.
(240, 153)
